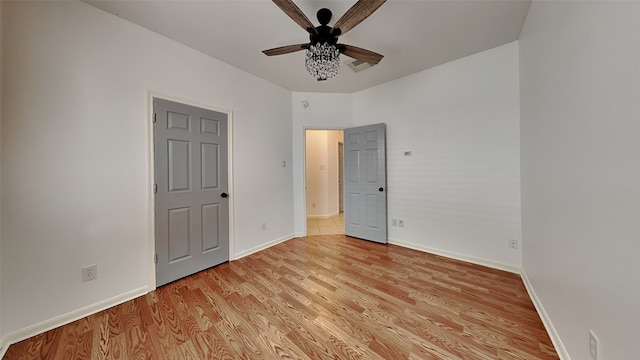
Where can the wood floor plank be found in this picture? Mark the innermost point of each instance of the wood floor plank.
(100, 343)
(117, 347)
(210, 346)
(319, 297)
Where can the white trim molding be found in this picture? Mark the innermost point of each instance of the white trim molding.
(461, 257)
(323, 216)
(262, 247)
(544, 317)
(105, 304)
(67, 318)
(546, 321)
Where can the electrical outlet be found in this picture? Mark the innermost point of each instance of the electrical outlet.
(89, 273)
(401, 223)
(593, 345)
(513, 243)
(264, 226)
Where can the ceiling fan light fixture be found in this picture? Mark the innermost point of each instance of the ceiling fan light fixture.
(323, 60)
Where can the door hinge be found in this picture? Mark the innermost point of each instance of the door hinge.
(155, 258)
(154, 117)
(155, 188)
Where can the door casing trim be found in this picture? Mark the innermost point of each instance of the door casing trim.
(151, 241)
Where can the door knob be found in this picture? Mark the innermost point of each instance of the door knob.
(224, 195)
(381, 189)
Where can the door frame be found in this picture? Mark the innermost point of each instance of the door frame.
(151, 221)
(304, 166)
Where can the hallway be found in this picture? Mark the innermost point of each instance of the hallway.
(330, 226)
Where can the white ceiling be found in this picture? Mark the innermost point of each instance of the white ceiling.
(413, 35)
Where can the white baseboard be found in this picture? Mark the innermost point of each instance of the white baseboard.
(546, 321)
(72, 316)
(67, 318)
(461, 257)
(322, 216)
(262, 247)
(60, 320)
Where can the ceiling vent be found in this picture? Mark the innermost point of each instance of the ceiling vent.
(358, 65)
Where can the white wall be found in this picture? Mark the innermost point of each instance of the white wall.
(580, 95)
(316, 173)
(459, 193)
(325, 111)
(76, 159)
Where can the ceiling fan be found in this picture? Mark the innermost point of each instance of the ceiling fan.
(322, 60)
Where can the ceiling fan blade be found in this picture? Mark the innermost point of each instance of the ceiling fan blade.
(361, 54)
(285, 49)
(356, 14)
(294, 12)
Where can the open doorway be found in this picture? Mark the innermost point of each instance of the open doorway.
(324, 178)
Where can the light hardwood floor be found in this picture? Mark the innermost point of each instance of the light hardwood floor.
(320, 297)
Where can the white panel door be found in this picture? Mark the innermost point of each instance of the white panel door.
(365, 183)
(191, 202)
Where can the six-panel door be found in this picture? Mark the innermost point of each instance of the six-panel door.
(191, 204)
(365, 183)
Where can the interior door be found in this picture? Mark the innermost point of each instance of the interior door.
(191, 184)
(365, 183)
